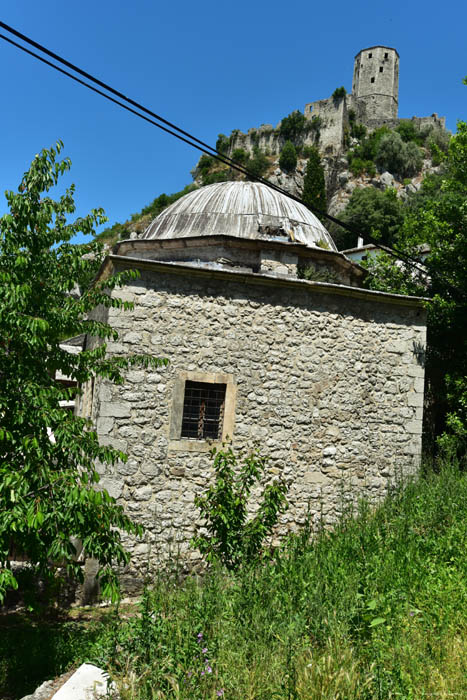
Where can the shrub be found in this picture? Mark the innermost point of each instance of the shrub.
(232, 538)
(368, 148)
(358, 131)
(339, 93)
(393, 154)
(239, 155)
(288, 157)
(358, 166)
(372, 211)
(222, 144)
(217, 176)
(292, 127)
(257, 164)
(408, 132)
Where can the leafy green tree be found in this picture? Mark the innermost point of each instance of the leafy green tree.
(257, 164)
(339, 93)
(314, 187)
(292, 127)
(231, 536)
(372, 211)
(288, 157)
(408, 132)
(222, 143)
(48, 456)
(398, 157)
(442, 224)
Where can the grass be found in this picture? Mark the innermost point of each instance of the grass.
(375, 609)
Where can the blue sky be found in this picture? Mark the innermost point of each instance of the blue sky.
(210, 67)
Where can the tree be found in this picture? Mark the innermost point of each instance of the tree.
(339, 93)
(288, 157)
(372, 211)
(397, 156)
(442, 224)
(48, 456)
(314, 188)
(257, 164)
(292, 127)
(228, 534)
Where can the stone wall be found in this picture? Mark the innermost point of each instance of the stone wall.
(332, 114)
(328, 381)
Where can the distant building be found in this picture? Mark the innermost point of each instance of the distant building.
(373, 102)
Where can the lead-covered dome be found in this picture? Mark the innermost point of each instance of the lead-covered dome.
(243, 209)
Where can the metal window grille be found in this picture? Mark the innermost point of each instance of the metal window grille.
(203, 411)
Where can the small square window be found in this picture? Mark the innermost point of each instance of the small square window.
(203, 411)
(381, 69)
(370, 55)
(372, 80)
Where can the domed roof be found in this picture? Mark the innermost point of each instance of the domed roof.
(242, 209)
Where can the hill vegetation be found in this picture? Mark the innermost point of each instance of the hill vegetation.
(375, 609)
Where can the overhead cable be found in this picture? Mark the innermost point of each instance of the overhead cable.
(172, 129)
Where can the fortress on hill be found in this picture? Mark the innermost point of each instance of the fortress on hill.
(373, 102)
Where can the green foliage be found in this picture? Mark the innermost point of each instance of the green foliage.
(372, 211)
(257, 164)
(120, 231)
(357, 131)
(396, 156)
(204, 167)
(163, 201)
(315, 273)
(374, 608)
(240, 156)
(358, 167)
(292, 127)
(437, 218)
(232, 538)
(33, 650)
(408, 132)
(288, 157)
(314, 187)
(48, 484)
(339, 93)
(222, 144)
(368, 148)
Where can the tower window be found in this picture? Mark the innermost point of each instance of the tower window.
(370, 55)
(203, 410)
(372, 80)
(381, 69)
(386, 55)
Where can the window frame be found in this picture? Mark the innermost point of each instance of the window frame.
(179, 443)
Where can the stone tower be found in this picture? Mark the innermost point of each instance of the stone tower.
(375, 86)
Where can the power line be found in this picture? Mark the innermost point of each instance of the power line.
(180, 133)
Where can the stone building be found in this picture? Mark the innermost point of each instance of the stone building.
(272, 341)
(373, 101)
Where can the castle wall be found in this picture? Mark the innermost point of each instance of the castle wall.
(332, 115)
(330, 386)
(265, 137)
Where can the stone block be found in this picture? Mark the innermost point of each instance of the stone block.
(104, 425)
(87, 682)
(114, 409)
(114, 485)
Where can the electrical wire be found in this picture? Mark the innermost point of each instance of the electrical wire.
(183, 135)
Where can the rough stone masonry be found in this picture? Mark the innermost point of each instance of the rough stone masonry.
(326, 379)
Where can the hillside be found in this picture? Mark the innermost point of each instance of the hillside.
(384, 159)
